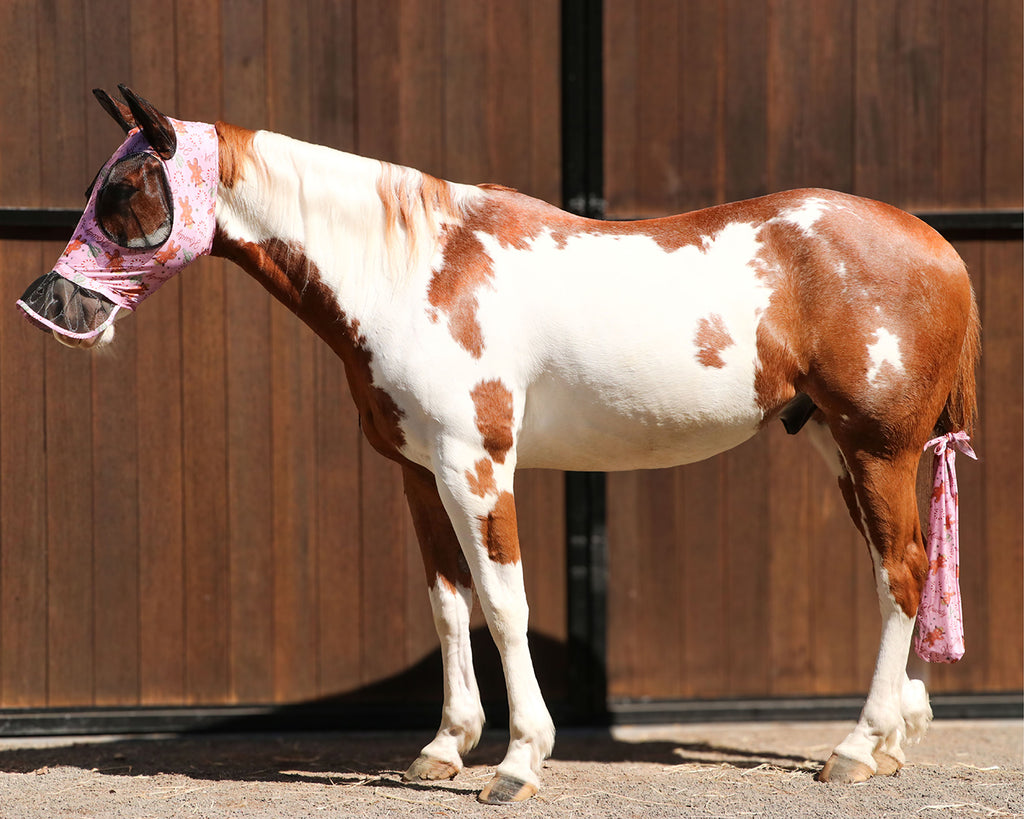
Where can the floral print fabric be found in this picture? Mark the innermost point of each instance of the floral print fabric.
(940, 623)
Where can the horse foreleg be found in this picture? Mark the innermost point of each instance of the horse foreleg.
(477, 492)
(880, 495)
(451, 601)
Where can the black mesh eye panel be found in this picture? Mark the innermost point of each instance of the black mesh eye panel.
(134, 208)
(69, 306)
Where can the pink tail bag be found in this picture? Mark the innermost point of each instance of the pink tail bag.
(940, 621)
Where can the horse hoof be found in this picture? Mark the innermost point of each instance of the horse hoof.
(888, 765)
(427, 769)
(844, 771)
(503, 789)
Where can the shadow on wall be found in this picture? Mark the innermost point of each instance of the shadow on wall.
(409, 700)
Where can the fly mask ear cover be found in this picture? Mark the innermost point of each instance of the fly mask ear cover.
(125, 275)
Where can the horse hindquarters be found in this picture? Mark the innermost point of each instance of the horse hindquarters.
(878, 458)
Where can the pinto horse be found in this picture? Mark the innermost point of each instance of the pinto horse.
(482, 330)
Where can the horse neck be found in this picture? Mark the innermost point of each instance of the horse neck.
(324, 230)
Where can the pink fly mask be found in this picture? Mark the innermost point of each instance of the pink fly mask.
(150, 213)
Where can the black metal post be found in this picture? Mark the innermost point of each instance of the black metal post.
(586, 534)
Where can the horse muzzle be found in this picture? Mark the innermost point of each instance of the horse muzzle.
(77, 316)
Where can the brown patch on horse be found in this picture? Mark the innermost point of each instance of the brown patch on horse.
(711, 339)
(442, 556)
(481, 480)
(515, 222)
(493, 402)
(500, 531)
(453, 288)
(293, 279)
(234, 147)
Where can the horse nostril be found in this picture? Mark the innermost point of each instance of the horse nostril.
(55, 303)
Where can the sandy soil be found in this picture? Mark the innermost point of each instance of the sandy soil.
(962, 769)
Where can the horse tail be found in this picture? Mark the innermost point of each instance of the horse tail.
(961, 409)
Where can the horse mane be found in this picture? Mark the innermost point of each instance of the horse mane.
(416, 206)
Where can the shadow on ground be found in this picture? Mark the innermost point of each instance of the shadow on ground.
(339, 757)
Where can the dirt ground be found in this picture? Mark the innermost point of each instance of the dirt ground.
(963, 768)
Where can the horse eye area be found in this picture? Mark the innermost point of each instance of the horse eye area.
(134, 207)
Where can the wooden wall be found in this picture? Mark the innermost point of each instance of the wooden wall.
(194, 516)
(743, 575)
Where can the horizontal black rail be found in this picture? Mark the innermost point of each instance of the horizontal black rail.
(56, 224)
(976, 224)
(318, 716)
(38, 224)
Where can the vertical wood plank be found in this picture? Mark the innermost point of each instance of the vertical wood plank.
(159, 400)
(789, 137)
(746, 533)
(1001, 371)
(543, 129)
(383, 517)
(293, 422)
(249, 388)
(1004, 107)
(69, 386)
(970, 673)
(623, 585)
(876, 161)
(115, 432)
(420, 86)
(745, 503)
(700, 105)
(660, 179)
(832, 547)
(419, 140)
(540, 505)
(963, 121)
(920, 80)
(507, 108)
(376, 43)
(744, 133)
(621, 118)
(337, 423)
(465, 66)
(1004, 457)
(23, 536)
(700, 543)
(207, 562)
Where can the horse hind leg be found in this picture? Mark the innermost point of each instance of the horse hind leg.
(880, 495)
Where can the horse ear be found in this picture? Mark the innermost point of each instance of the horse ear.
(120, 112)
(155, 126)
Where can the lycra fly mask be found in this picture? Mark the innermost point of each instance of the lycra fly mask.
(150, 213)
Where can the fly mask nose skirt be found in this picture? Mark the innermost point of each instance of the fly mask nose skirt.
(110, 277)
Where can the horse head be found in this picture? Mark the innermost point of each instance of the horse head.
(150, 212)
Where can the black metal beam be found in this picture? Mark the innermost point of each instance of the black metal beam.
(582, 182)
(976, 224)
(582, 108)
(38, 224)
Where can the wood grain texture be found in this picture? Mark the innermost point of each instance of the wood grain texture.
(210, 475)
(917, 103)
